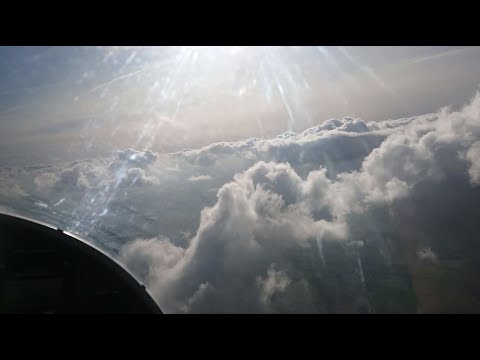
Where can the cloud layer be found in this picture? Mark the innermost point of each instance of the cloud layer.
(305, 222)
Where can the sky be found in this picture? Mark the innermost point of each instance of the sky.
(62, 103)
(256, 179)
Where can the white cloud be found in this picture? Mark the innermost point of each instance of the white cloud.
(144, 255)
(200, 178)
(269, 208)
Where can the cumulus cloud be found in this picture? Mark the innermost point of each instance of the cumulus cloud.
(270, 209)
(137, 176)
(258, 218)
(473, 155)
(146, 257)
(71, 178)
(300, 223)
(137, 158)
(274, 282)
(335, 145)
(74, 177)
(200, 178)
(46, 180)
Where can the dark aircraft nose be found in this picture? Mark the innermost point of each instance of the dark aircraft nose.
(44, 270)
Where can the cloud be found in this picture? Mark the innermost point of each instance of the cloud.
(46, 180)
(136, 158)
(137, 176)
(473, 155)
(199, 178)
(299, 223)
(145, 257)
(258, 218)
(72, 178)
(426, 254)
(269, 209)
(274, 283)
(11, 190)
(354, 125)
